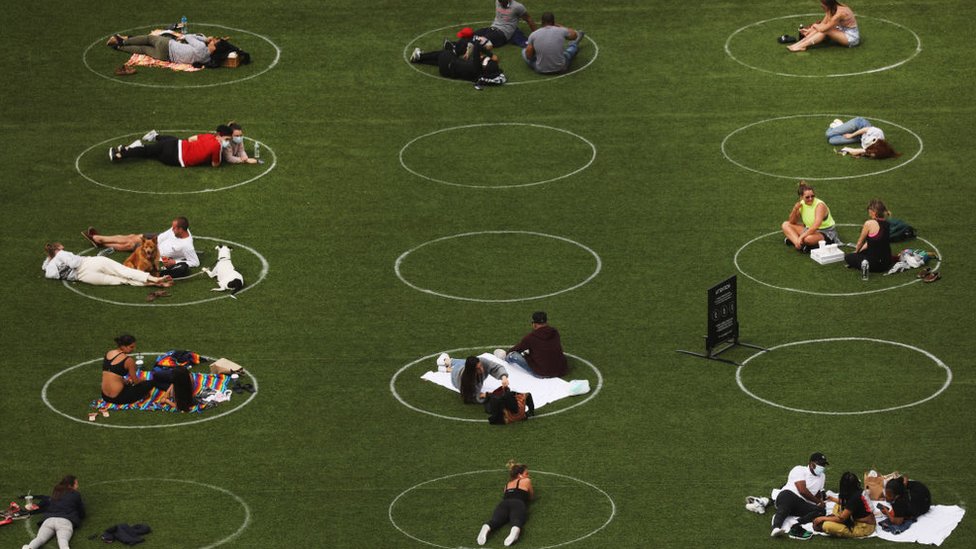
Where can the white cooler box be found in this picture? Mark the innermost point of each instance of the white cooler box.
(827, 254)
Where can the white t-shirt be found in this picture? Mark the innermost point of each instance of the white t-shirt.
(871, 135)
(177, 249)
(803, 472)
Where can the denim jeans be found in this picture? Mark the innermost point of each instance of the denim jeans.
(835, 136)
(568, 54)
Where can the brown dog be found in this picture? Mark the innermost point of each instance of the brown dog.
(145, 257)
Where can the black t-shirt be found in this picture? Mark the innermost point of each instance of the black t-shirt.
(858, 505)
(68, 506)
(915, 502)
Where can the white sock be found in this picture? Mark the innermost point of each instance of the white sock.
(483, 535)
(513, 536)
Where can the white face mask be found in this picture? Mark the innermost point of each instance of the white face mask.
(819, 470)
(238, 139)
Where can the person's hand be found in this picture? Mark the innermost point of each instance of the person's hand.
(252, 161)
(505, 381)
(481, 396)
(848, 136)
(168, 262)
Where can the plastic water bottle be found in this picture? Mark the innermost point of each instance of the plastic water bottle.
(183, 25)
(865, 269)
(257, 152)
(139, 361)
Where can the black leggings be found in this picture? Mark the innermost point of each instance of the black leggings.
(130, 393)
(166, 149)
(509, 510)
(789, 504)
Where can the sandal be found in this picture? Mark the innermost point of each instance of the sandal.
(89, 236)
(124, 70)
(932, 277)
(924, 272)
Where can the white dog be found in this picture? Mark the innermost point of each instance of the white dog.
(227, 277)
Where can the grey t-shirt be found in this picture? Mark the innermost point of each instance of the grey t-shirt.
(494, 370)
(506, 19)
(194, 51)
(548, 44)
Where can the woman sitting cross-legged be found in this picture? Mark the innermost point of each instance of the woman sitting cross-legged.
(809, 222)
(838, 25)
(873, 245)
(852, 516)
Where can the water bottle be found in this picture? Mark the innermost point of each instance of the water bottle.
(257, 152)
(139, 362)
(865, 269)
(183, 25)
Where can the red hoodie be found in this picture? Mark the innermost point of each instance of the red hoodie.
(545, 356)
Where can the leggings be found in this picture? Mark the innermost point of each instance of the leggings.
(789, 504)
(102, 271)
(153, 46)
(165, 148)
(130, 393)
(54, 526)
(508, 510)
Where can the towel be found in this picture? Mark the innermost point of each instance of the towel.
(154, 401)
(932, 528)
(146, 61)
(544, 390)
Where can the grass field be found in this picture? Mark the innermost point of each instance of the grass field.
(663, 167)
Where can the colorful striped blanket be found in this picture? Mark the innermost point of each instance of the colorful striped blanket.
(146, 61)
(153, 402)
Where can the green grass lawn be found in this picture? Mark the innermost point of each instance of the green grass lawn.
(399, 215)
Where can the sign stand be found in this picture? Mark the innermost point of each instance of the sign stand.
(723, 323)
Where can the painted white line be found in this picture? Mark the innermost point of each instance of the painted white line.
(85, 421)
(913, 280)
(74, 286)
(921, 146)
(456, 184)
(102, 40)
(939, 363)
(613, 504)
(403, 256)
(143, 481)
(408, 48)
(125, 139)
(401, 400)
(918, 48)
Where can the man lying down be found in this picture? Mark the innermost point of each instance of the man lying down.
(477, 376)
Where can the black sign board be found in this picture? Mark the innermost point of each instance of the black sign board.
(723, 322)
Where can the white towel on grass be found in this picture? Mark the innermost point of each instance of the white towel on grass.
(544, 390)
(932, 528)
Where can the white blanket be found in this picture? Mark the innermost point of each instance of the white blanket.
(932, 528)
(544, 390)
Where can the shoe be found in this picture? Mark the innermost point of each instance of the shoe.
(835, 123)
(114, 41)
(111, 154)
(804, 249)
(579, 36)
(415, 56)
(932, 276)
(89, 236)
(151, 136)
(787, 241)
(513, 536)
(777, 533)
(448, 45)
(799, 532)
(483, 534)
(106, 251)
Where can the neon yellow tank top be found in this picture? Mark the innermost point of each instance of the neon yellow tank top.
(809, 214)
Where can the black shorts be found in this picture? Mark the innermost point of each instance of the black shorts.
(497, 37)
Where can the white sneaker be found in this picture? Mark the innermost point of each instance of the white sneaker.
(483, 534)
(151, 136)
(777, 533)
(513, 536)
(835, 123)
(415, 56)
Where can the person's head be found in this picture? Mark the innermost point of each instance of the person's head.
(68, 483)
(548, 18)
(805, 192)
(466, 33)
(52, 248)
(877, 209)
(830, 5)
(880, 149)
(237, 132)
(516, 469)
(224, 134)
(818, 463)
(539, 318)
(126, 341)
(849, 485)
(895, 488)
(181, 227)
(469, 380)
(504, 3)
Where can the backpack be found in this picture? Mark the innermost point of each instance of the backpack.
(899, 230)
(509, 407)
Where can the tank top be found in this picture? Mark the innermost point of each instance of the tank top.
(809, 214)
(879, 246)
(117, 368)
(516, 493)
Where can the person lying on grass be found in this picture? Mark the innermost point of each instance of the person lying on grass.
(860, 130)
(97, 270)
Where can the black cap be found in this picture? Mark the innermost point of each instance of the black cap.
(539, 317)
(819, 458)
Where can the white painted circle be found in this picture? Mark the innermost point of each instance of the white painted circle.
(913, 280)
(921, 146)
(239, 499)
(223, 295)
(125, 137)
(613, 505)
(728, 50)
(399, 260)
(401, 400)
(47, 402)
(939, 363)
(468, 126)
(102, 40)
(407, 49)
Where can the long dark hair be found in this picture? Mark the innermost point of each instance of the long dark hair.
(831, 5)
(67, 484)
(469, 381)
(850, 487)
(125, 339)
(880, 149)
(896, 486)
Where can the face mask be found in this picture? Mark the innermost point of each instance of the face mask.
(238, 139)
(224, 143)
(819, 470)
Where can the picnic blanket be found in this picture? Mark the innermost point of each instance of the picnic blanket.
(544, 390)
(932, 528)
(154, 401)
(146, 61)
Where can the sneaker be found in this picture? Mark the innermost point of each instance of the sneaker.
(579, 36)
(111, 154)
(151, 136)
(415, 56)
(448, 45)
(106, 251)
(483, 534)
(777, 533)
(787, 241)
(799, 532)
(835, 123)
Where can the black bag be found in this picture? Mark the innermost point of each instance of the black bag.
(899, 230)
(504, 407)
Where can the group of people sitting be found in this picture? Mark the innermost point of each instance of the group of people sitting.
(549, 49)
(804, 496)
(811, 222)
(122, 385)
(225, 144)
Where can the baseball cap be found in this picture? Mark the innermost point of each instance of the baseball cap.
(819, 458)
(539, 317)
(466, 32)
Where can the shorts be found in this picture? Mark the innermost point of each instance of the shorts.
(852, 33)
(830, 234)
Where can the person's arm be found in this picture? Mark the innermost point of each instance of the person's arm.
(857, 133)
(801, 487)
(862, 238)
(794, 218)
(189, 253)
(230, 155)
(81, 506)
(530, 51)
(522, 345)
(130, 366)
(819, 215)
(528, 487)
(571, 34)
(528, 19)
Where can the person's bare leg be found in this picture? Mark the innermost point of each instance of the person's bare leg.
(811, 39)
(119, 242)
(792, 232)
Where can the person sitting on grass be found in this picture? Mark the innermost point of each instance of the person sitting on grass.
(809, 222)
(468, 376)
(120, 382)
(544, 53)
(175, 245)
(541, 350)
(909, 500)
(195, 150)
(859, 129)
(802, 495)
(852, 516)
(838, 24)
(61, 264)
(63, 515)
(514, 507)
(873, 244)
(504, 29)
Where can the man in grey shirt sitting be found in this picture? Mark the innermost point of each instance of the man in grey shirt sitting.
(544, 52)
